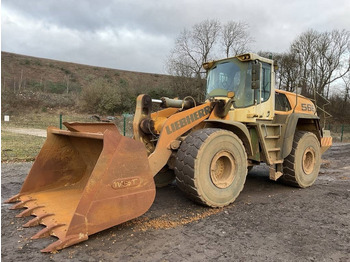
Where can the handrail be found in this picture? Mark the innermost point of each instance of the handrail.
(326, 114)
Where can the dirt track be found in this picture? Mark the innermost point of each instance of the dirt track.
(268, 222)
(27, 131)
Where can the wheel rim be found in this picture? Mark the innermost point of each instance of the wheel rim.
(222, 169)
(309, 161)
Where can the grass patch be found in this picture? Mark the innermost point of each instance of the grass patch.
(18, 147)
(44, 119)
(337, 137)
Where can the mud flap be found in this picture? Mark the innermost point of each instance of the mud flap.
(85, 182)
(326, 141)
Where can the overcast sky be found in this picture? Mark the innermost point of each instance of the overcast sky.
(138, 35)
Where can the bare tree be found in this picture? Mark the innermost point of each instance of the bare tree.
(235, 38)
(180, 64)
(323, 58)
(200, 44)
(193, 48)
(287, 75)
(303, 49)
(20, 83)
(333, 59)
(205, 35)
(67, 80)
(346, 80)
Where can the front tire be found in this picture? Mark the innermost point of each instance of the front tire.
(301, 167)
(211, 167)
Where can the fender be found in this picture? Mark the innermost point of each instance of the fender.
(298, 121)
(238, 128)
(174, 127)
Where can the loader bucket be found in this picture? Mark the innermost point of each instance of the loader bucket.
(83, 181)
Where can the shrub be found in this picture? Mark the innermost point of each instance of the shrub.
(35, 85)
(101, 97)
(56, 88)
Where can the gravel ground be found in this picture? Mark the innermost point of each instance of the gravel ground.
(268, 222)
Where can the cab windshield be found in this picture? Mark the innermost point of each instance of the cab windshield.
(233, 76)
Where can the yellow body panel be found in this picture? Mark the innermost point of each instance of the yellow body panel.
(298, 103)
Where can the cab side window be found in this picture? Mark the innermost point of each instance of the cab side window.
(266, 82)
(281, 102)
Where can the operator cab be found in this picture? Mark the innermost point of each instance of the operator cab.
(249, 77)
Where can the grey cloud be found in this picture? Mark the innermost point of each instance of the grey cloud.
(151, 16)
(128, 34)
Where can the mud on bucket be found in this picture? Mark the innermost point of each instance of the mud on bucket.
(83, 181)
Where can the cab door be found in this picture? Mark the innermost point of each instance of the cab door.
(265, 96)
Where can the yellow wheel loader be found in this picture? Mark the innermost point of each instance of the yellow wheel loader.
(89, 177)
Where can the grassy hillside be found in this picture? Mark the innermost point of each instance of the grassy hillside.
(37, 84)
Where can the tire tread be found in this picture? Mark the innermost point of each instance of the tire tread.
(185, 161)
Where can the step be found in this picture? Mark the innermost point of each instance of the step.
(271, 125)
(274, 175)
(272, 137)
(278, 161)
(275, 149)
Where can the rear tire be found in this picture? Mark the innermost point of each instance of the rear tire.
(301, 167)
(211, 167)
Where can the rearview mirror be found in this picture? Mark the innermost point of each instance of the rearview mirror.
(256, 69)
(230, 94)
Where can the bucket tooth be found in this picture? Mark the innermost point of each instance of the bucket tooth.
(13, 199)
(33, 222)
(28, 212)
(21, 204)
(60, 244)
(36, 220)
(46, 232)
